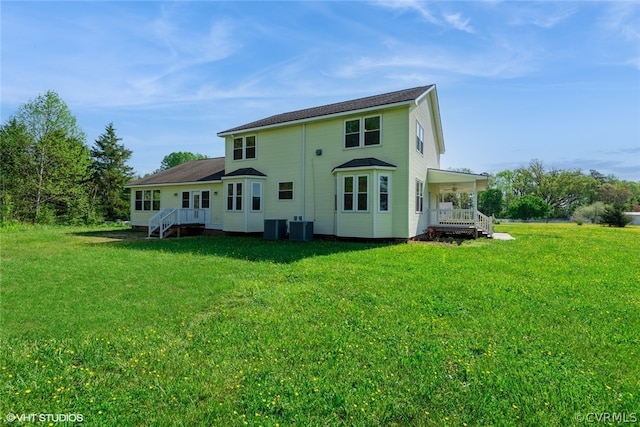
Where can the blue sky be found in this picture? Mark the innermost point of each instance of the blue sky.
(554, 81)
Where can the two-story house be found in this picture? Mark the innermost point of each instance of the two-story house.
(365, 168)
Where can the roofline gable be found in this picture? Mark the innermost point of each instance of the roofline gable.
(194, 171)
(315, 118)
(323, 112)
(166, 184)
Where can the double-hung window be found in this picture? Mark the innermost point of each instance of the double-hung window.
(256, 196)
(244, 147)
(285, 190)
(147, 200)
(419, 196)
(383, 193)
(234, 196)
(419, 138)
(355, 193)
(205, 202)
(362, 132)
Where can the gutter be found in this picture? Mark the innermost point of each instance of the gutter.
(316, 118)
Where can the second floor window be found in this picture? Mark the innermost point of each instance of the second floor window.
(362, 132)
(244, 147)
(419, 138)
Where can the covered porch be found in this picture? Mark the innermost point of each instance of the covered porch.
(460, 216)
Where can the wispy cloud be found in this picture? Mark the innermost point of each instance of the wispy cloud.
(458, 22)
(442, 19)
(409, 5)
(621, 21)
(147, 58)
(551, 20)
(623, 18)
(502, 61)
(543, 15)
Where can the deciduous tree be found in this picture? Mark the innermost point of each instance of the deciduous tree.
(48, 161)
(528, 207)
(178, 157)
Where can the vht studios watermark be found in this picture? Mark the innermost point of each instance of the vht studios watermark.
(607, 417)
(44, 418)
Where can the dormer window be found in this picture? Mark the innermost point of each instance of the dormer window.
(244, 148)
(362, 132)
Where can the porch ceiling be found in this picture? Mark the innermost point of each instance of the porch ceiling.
(442, 181)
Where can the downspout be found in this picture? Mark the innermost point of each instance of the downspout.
(246, 202)
(375, 202)
(304, 179)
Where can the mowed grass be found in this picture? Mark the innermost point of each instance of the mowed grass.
(242, 331)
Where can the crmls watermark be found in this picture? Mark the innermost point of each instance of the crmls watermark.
(43, 418)
(607, 417)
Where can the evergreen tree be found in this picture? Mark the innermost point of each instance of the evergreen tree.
(110, 173)
(15, 165)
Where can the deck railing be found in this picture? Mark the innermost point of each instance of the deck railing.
(166, 218)
(462, 218)
(485, 223)
(155, 221)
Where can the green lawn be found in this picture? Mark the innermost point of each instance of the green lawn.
(238, 330)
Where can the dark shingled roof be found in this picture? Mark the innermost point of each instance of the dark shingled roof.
(245, 172)
(193, 171)
(340, 107)
(366, 162)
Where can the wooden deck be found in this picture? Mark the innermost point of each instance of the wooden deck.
(468, 222)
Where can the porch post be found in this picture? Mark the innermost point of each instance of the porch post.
(475, 199)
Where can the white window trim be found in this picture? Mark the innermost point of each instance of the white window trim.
(259, 194)
(234, 206)
(244, 148)
(419, 193)
(355, 193)
(388, 176)
(151, 192)
(361, 138)
(419, 130)
(293, 191)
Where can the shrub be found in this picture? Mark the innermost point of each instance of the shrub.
(614, 216)
(590, 213)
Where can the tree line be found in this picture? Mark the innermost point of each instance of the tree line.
(49, 175)
(536, 191)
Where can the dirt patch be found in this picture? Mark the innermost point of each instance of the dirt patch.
(112, 236)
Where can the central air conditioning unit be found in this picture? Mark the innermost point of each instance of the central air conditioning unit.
(275, 229)
(301, 231)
